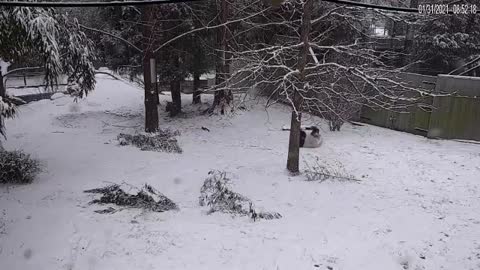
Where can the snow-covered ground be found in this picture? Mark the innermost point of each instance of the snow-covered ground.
(417, 206)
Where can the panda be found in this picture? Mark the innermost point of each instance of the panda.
(310, 137)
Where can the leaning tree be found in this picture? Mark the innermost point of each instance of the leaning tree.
(50, 36)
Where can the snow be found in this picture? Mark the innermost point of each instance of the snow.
(415, 208)
(17, 86)
(4, 66)
(57, 96)
(205, 76)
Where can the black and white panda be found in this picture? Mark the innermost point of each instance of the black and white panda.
(310, 137)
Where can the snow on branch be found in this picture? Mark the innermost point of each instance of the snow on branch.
(7, 110)
(58, 41)
(344, 71)
(216, 193)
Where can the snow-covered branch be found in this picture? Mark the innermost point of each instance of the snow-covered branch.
(342, 73)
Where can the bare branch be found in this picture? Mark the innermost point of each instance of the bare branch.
(112, 35)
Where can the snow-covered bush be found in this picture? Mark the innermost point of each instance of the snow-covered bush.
(7, 110)
(75, 91)
(216, 193)
(146, 198)
(17, 167)
(162, 141)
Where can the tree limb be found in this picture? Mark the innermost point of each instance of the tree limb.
(112, 35)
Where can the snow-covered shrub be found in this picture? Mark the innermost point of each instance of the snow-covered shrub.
(7, 110)
(18, 167)
(326, 171)
(216, 193)
(162, 141)
(75, 91)
(146, 198)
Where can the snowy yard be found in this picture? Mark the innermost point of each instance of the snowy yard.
(417, 206)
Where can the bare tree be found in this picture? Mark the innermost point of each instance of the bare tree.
(224, 96)
(294, 142)
(314, 56)
(329, 67)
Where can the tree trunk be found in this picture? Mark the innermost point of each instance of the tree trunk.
(196, 90)
(220, 59)
(151, 109)
(175, 89)
(176, 98)
(221, 97)
(227, 94)
(293, 159)
(3, 91)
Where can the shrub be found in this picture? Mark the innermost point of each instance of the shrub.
(216, 193)
(18, 167)
(162, 141)
(145, 197)
(322, 171)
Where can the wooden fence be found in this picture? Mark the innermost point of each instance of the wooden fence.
(456, 116)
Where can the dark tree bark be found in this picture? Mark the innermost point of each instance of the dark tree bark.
(2, 94)
(221, 97)
(196, 91)
(220, 54)
(2, 86)
(175, 89)
(151, 109)
(293, 159)
(294, 143)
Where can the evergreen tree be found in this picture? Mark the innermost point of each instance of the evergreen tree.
(442, 41)
(51, 37)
